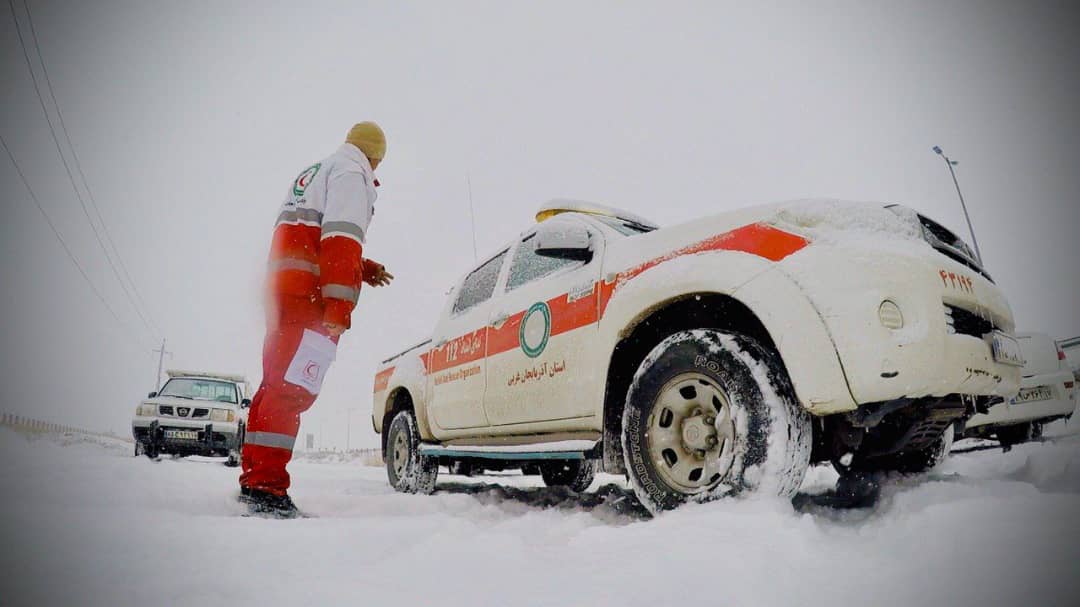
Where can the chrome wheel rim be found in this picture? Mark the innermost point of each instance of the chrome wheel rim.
(691, 433)
(400, 454)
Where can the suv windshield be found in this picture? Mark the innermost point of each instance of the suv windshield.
(200, 389)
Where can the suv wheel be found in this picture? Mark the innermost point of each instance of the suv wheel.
(575, 475)
(710, 415)
(234, 454)
(408, 471)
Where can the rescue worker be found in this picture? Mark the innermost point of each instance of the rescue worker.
(316, 267)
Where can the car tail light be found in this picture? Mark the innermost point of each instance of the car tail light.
(1061, 353)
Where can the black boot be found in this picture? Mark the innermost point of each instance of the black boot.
(266, 504)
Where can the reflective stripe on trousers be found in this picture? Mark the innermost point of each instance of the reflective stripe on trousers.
(270, 439)
(290, 263)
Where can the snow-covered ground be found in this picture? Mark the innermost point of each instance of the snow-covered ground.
(84, 522)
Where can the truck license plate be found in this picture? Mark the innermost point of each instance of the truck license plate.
(1006, 349)
(1031, 395)
(182, 434)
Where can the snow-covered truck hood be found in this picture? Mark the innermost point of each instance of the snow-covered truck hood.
(818, 221)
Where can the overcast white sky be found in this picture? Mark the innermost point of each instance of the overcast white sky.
(192, 118)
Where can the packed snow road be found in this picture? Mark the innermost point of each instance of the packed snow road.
(84, 522)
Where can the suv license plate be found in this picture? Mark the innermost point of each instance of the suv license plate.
(182, 434)
(1031, 395)
(1006, 349)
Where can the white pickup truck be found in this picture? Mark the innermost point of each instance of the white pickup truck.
(708, 359)
(195, 413)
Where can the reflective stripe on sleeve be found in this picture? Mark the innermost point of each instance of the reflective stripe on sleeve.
(343, 228)
(344, 292)
(294, 264)
(270, 439)
(305, 216)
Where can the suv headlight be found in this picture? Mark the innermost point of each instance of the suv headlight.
(146, 410)
(222, 415)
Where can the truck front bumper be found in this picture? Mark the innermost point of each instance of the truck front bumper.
(931, 354)
(210, 438)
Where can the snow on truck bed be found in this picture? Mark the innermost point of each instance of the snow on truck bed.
(87, 523)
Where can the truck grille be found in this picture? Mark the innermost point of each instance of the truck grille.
(963, 322)
(172, 411)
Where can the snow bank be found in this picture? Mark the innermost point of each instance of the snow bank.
(88, 524)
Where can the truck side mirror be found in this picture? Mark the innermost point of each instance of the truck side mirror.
(244, 404)
(151, 395)
(563, 240)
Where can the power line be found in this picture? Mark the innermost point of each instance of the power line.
(78, 168)
(60, 239)
(67, 169)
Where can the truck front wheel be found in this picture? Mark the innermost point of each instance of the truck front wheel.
(408, 470)
(709, 415)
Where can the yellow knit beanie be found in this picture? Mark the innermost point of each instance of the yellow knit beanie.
(369, 138)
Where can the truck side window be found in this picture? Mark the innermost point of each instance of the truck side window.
(528, 266)
(479, 285)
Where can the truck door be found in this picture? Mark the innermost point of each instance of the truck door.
(458, 365)
(541, 351)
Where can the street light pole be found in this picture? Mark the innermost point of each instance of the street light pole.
(951, 163)
(161, 352)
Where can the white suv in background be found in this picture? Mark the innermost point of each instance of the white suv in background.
(1047, 393)
(195, 413)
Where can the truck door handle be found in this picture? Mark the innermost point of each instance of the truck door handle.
(499, 320)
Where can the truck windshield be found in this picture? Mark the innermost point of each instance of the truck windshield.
(624, 227)
(200, 389)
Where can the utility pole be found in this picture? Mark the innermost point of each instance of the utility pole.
(161, 352)
(951, 163)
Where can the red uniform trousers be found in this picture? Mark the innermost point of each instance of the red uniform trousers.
(274, 417)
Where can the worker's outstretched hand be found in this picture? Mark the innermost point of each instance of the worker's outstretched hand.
(381, 278)
(334, 329)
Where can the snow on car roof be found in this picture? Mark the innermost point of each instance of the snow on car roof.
(564, 205)
(225, 376)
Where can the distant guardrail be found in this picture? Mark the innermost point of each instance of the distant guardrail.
(30, 425)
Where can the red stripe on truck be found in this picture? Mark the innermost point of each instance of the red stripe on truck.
(382, 379)
(758, 239)
(458, 351)
(566, 316)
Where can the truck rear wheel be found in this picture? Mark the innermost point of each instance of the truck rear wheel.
(408, 470)
(710, 415)
(575, 475)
